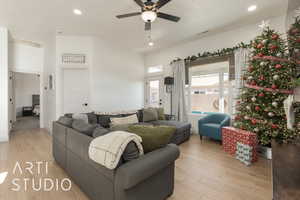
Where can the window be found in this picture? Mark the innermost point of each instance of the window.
(209, 88)
(155, 69)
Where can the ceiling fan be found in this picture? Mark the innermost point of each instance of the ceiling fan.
(149, 12)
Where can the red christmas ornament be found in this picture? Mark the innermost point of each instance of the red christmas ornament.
(250, 68)
(274, 87)
(238, 102)
(275, 36)
(273, 47)
(253, 82)
(274, 126)
(260, 46)
(260, 55)
(278, 66)
(253, 121)
(257, 108)
(262, 78)
(261, 95)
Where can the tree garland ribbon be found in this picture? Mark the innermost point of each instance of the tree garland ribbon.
(272, 58)
(283, 91)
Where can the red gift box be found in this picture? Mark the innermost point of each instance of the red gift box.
(231, 136)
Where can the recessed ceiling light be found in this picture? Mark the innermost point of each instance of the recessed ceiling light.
(252, 8)
(77, 12)
(151, 44)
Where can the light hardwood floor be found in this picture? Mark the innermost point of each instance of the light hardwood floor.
(203, 171)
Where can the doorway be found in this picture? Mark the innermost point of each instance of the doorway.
(154, 92)
(25, 101)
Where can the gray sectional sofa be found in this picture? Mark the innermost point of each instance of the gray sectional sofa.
(149, 177)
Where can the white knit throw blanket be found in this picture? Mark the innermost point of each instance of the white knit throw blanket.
(107, 150)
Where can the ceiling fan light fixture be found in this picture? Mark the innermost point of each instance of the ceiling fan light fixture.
(149, 16)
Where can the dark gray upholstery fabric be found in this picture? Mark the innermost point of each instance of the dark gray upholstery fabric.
(182, 133)
(131, 152)
(65, 121)
(149, 177)
(136, 171)
(92, 117)
(104, 120)
(83, 127)
(100, 131)
(68, 115)
(150, 114)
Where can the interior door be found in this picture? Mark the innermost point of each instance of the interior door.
(154, 92)
(76, 91)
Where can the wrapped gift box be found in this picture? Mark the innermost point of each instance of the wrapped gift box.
(231, 136)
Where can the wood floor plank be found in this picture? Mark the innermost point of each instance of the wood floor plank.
(203, 171)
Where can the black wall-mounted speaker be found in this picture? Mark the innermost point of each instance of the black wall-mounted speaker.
(169, 80)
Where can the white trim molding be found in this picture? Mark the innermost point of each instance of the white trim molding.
(4, 127)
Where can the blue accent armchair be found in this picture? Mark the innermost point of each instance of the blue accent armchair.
(211, 125)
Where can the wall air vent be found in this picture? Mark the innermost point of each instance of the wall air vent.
(73, 59)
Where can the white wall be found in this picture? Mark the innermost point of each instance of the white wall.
(211, 43)
(24, 57)
(4, 85)
(117, 78)
(116, 74)
(25, 85)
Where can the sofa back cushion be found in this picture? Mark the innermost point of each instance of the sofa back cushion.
(131, 119)
(66, 121)
(81, 116)
(84, 127)
(150, 114)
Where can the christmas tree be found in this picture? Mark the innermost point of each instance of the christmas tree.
(294, 49)
(268, 82)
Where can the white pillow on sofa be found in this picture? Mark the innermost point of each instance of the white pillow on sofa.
(131, 119)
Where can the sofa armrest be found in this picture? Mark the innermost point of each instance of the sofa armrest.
(225, 122)
(136, 171)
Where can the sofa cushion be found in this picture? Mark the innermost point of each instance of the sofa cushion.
(131, 119)
(211, 125)
(79, 116)
(154, 137)
(177, 124)
(100, 131)
(66, 121)
(161, 113)
(104, 120)
(92, 118)
(83, 127)
(150, 114)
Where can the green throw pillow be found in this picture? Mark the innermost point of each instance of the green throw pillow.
(154, 137)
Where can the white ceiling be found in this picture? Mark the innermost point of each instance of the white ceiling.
(98, 19)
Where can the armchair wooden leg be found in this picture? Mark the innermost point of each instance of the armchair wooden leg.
(201, 137)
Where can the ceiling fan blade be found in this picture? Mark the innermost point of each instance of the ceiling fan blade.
(147, 26)
(139, 2)
(161, 3)
(168, 17)
(128, 15)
